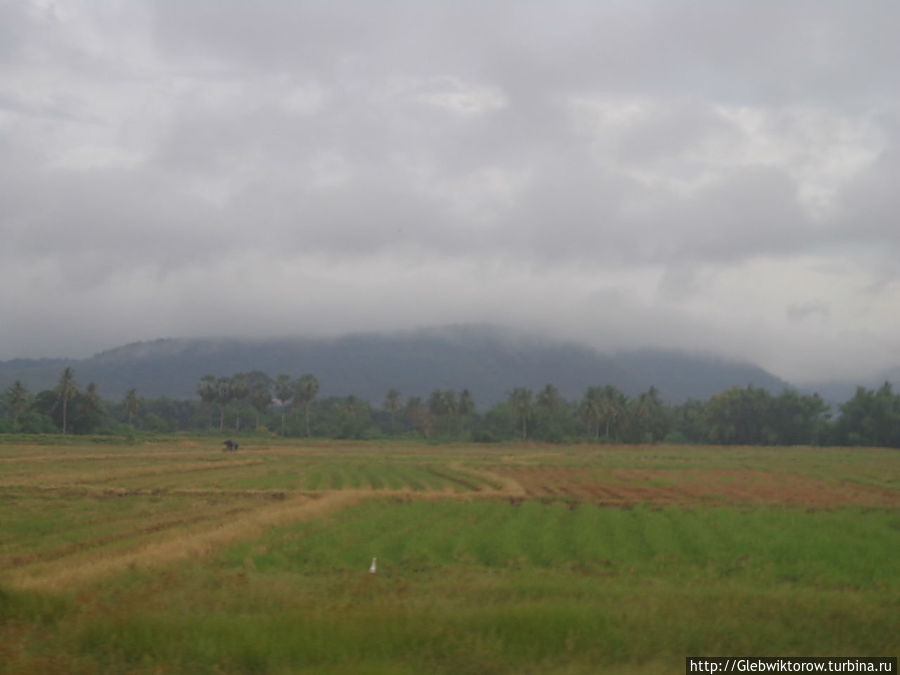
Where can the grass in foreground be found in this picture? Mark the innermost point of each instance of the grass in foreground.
(489, 587)
(194, 560)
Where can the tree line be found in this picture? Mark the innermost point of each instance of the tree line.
(255, 402)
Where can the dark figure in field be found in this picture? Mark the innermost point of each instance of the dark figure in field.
(230, 446)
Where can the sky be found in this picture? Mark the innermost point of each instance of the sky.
(720, 177)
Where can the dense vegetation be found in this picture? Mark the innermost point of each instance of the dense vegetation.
(256, 403)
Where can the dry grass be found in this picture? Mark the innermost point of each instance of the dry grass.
(507, 485)
(626, 487)
(111, 475)
(196, 542)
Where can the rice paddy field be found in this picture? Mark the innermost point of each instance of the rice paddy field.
(172, 556)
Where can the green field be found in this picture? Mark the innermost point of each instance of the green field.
(174, 557)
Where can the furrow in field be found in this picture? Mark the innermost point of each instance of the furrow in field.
(112, 457)
(96, 492)
(71, 548)
(616, 487)
(113, 475)
(501, 482)
(454, 479)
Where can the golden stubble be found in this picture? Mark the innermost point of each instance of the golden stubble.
(196, 542)
(109, 475)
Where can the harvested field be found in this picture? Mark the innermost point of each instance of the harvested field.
(690, 487)
(175, 557)
(230, 527)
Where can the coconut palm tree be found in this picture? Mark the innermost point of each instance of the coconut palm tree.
(305, 391)
(591, 410)
(520, 401)
(465, 407)
(392, 405)
(646, 412)
(208, 391)
(224, 396)
(415, 414)
(259, 386)
(17, 399)
(240, 390)
(284, 392)
(131, 404)
(549, 399)
(614, 405)
(441, 405)
(66, 390)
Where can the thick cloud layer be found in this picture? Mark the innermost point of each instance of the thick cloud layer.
(705, 176)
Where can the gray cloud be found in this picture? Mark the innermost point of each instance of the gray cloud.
(808, 310)
(693, 168)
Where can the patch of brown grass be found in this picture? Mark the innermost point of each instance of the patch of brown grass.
(622, 487)
(105, 475)
(196, 542)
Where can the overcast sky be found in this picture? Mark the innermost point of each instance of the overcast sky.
(716, 176)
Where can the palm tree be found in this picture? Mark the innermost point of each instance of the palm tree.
(224, 396)
(441, 404)
(465, 407)
(259, 386)
(520, 402)
(66, 390)
(647, 410)
(305, 391)
(284, 392)
(91, 408)
(349, 412)
(131, 404)
(614, 404)
(549, 399)
(239, 391)
(17, 400)
(392, 405)
(208, 391)
(591, 410)
(602, 406)
(414, 412)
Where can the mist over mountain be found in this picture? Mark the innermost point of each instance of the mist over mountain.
(488, 361)
(708, 177)
(839, 391)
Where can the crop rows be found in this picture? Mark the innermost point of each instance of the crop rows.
(41, 527)
(245, 472)
(526, 559)
(832, 548)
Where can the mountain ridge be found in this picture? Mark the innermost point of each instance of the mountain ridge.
(487, 360)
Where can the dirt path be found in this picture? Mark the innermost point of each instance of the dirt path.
(203, 541)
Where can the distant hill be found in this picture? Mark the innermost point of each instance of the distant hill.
(681, 376)
(837, 392)
(36, 374)
(488, 361)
